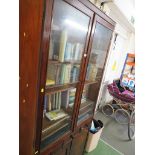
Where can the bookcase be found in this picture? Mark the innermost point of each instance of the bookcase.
(75, 40)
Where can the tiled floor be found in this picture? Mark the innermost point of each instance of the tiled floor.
(116, 135)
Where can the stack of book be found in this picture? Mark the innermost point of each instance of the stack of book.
(65, 73)
(73, 52)
(53, 73)
(69, 73)
(65, 51)
(59, 100)
(52, 102)
(85, 94)
(91, 72)
(75, 73)
(62, 73)
(55, 115)
(71, 97)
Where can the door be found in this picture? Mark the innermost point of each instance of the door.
(79, 141)
(67, 26)
(97, 53)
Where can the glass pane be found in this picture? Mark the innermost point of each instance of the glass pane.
(58, 108)
(99, 50)
(68, 34)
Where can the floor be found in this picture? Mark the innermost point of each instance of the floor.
(116, 135)
(103, 149)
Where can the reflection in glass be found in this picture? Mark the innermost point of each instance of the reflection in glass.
(68, 35)
(95, 67)
(58, 108)
(69, 29)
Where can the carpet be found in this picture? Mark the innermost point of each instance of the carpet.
(103, 149)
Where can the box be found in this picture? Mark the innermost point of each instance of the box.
(93, 140)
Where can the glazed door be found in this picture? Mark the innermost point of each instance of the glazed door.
(97, 54)
(65, 40)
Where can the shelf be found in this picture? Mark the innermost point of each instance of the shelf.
(90, 82)
(84, 116)
(65, 62)
(85, 110)
(56, 88)
(86, 104)
(51, 127)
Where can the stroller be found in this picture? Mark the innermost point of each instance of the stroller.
(122, 107)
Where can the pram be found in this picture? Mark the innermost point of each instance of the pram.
(122, 106)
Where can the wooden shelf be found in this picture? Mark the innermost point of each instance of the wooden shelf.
(51, 127)
(56, 88)
(65, 62)
(83, 117)
(86, 104)
(90, 82)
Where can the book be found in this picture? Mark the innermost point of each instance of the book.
(50, 82)
(72, 96)
(81, 50)
(65, 73)
(93, 58)
(50, 54)
(65, 99)
(53, 105)
(49, 104)
(68, 52)
(62, 74)
(63, 40)
(76, 51)
(58, 72)
(59, 101)
(55, 53)
(55, 115)
(91, 72)
(45, 105)
(51, 73)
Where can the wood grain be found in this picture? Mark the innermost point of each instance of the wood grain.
(30, 19)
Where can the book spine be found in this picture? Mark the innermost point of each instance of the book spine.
(62, 47)
(55, 50)
(77, 49)
(45, 105)
(62, 74)
(59, 107)
(68, 52)
(49, 103)
(50, 55)
(65, 99)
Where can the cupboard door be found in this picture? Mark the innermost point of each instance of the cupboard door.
(64, 149)
(98, 49)
(68, 40)
(78, 142)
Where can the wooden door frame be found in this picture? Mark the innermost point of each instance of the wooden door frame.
(46, 31)
(97, 19)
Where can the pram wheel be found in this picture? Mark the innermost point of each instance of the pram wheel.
(122, 116)
(131, 126)
(108, 110)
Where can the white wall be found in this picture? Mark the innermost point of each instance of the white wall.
(124, 45)
(120, 11)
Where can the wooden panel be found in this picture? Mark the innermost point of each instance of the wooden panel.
(79, 141)
(61, 149)
(30, 19)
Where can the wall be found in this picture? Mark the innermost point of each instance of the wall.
(124, 44)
